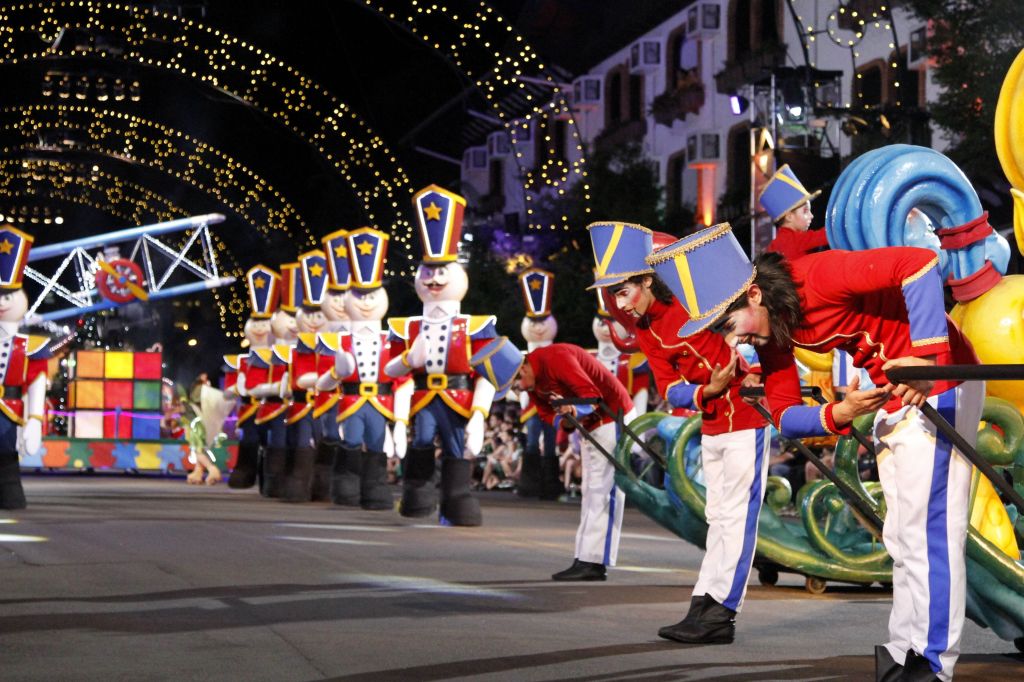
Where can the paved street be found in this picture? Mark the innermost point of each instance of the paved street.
(109, 577)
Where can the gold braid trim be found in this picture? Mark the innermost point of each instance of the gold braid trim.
(667, 253)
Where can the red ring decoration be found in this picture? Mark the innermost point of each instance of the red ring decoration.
(115, 289)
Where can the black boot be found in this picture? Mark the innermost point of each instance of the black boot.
(418, 492)
(299, 485)
(886, 668)
(322, 470)
(550, 485)
(458, 506)
(275, 463)
(374, 492)
(530, 474)
(917, 669)
(244, 473)
(714, 625)
(581, 571)
(348, 465)
(12, 495)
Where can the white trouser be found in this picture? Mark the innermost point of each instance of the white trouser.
(597, 538)
(735, 474)
(926, 495)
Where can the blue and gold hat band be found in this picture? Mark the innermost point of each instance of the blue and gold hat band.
(499, 362)
(705, 271)
(619, 251)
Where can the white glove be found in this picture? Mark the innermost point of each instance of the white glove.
(389, 443)
(475, 433)
(401, 438)
(240, 385)
(417, 356)
(32, 436)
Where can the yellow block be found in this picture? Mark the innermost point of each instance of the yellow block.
(89, 364)
(148, 457)
(119, 365)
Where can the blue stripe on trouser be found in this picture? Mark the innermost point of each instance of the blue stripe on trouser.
(938, 541)
(611, 514)
(739, 580)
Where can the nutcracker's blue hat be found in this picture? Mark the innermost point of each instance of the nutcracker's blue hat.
(537, 286)
(705, 271)
(336, 249)
(619, 251)
(367, 251)
(14, 248)
(784, 192)
(499, 362)
(439, 214)
(263, 291)
(314, 277)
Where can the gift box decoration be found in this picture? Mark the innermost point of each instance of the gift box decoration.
(148, 365)
(118, 393)
(117, 424)
(147, 395)
(118, 365)
(89, 364)
(87, 424)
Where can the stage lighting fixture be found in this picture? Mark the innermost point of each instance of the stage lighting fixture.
(738, 104)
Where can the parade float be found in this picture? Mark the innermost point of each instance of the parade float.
(911, 196)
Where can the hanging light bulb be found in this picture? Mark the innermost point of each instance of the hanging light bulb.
(134, 93)
(118, 90)
(101, 89)
(82, 87)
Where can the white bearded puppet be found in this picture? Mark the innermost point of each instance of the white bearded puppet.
(450, 399)
(629, 368)
(367, 392)
(262, 283)
(539, 474)
(272, 365)
(22, 369)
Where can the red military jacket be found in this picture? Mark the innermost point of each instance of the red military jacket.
(793, 244)
(22, 359)
(301, 359)
(370, 362)
(682, 367)
(326, 349)
(568, 371)
(265, 366)
(877, 305)
(237, 366)
(630, 369)
(451, 344)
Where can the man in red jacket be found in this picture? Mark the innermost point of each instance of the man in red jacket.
(885, 307)
(700, 373)
(563, 370)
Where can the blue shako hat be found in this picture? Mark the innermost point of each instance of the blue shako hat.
(499, 362)
(783, 193)
(619, 251)
(537, 286)
(367, 251)
(263, 285)
(14, 248)
(314, 277)
(439, 214)
(336, 250)
(705, 272)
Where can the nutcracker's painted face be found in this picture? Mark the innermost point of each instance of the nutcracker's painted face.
(634, 298)
(539, 329)
(601, 331)
(444, 282)
(284, 326)
(13, 305)
(334, 306)
(366, 304)
(257, 332)
(749, 324)
(310, 319)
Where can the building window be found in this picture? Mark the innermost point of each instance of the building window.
(636, 98)
(613, 108)
(867, 85)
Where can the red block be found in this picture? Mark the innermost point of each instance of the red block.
(118, 393)
(117, 425)
(148, 365)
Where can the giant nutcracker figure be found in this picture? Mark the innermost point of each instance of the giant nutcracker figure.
(305, 364)
(367, 401)
(262, 283)
(539, 473)
(325, 414)
(629, 368)
(23, 368)
(450, 399)
(272, 364)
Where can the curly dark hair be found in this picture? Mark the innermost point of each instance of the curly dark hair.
(778, 294)
(660, 290)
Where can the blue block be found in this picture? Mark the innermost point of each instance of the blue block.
(146, 427)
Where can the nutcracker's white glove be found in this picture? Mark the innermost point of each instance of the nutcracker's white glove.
(475, 433)
(401, 438)
(32, 436)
